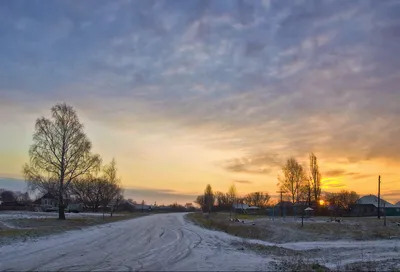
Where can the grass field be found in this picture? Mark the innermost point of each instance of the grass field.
(317, 246)
(29, 228)
(291, 230)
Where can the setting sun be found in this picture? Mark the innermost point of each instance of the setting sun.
(321, 202)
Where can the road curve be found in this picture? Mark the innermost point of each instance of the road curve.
(162, 242)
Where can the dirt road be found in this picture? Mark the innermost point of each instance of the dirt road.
(157, 242)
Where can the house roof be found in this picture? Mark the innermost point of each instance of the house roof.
(373, 200)
(284, 203)
(245, 207)
(46, 195)
(240, 206)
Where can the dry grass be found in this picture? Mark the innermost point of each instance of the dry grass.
(33, 228)
(268, 250)
(279, 231)
(298, 264)
(221, 222)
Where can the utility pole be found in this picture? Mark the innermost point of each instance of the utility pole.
(281, 192)
(379, 197)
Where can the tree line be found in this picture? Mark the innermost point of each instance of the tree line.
(297, 184)
(61, 163)
(221, 201)
(304, 186)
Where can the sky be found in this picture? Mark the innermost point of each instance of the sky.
(186, 93)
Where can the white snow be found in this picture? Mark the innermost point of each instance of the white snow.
(155, 242)
(10, 215)
(163, 242)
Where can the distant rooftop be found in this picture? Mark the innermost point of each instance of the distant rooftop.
(372, 199)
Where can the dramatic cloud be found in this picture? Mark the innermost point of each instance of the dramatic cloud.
(166, 196)
(243, 181)
(244, 77)
(258, 164)
(328, 184)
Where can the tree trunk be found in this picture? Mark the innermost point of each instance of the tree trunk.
(61, 208)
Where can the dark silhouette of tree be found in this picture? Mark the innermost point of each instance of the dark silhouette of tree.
(209, 198)
(258, 199)
(60, 153)
(292, 179)
(315, 178)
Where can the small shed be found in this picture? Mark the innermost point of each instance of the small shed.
(308, 211)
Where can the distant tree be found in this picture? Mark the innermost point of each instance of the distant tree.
(209, 198)
(232, 194)
(7, 196)
(60, 153)
(115, 191)
(258, 199)
(200, 201)
(22, 197)
(87, 190)
(315, 178)
(221, 198)
(342, 200)
(292, 179)
(111, 192)
(222, 201)
(305, 193)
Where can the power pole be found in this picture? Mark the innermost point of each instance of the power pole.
(379, 197)
(281, 192)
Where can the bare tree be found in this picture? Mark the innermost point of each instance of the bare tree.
(232, 194)
(305, 193)
(232, 197)
(111, 191)
(258, 199)
(292, 179)
(209, 198)
(87, 190)
(315, 178)
(222, 200)
(8, 196)
(60, 153)
(200, 201)
(342, 200)
(117, 200)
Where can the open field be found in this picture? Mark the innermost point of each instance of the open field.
(355, 244)
(289, 229)
(21, 226)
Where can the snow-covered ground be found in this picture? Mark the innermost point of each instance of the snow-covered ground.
(10, 215)
(164, 242)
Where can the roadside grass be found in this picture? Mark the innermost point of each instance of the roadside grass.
(221, 222)
(268, 250)
(278, 231)
(290, 231)
(299, 264)
(33, 228)
(386, 265)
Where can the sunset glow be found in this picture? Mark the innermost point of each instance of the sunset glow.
(209, 92)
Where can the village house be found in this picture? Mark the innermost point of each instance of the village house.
(368, 206)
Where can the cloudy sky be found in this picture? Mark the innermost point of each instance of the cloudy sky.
(185, 93)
